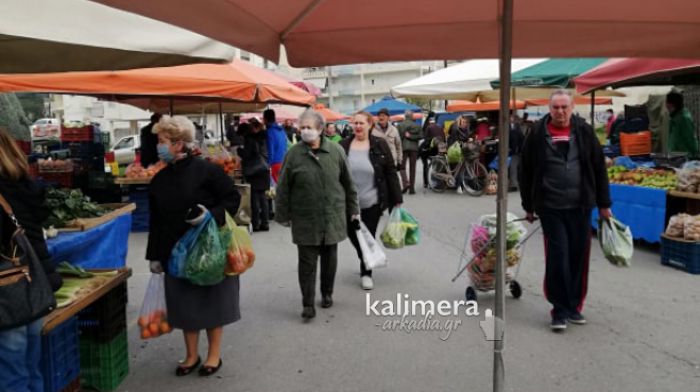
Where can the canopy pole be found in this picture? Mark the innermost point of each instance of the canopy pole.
(170, 104)
(221, 122)
(593, 109)
(506, 53)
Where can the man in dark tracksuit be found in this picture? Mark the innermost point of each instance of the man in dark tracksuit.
(562, 177)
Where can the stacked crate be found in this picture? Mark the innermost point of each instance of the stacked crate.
(138, 194)
(60, 357)
(104, 355)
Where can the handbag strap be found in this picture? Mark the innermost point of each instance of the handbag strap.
(8, 210)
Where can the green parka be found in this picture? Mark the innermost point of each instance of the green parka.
(681, 136)
(316, 194)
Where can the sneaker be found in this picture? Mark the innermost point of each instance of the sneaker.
(577, 318)
(367, 283)
(308, 313)
(459, 190)
(558, 324)
(326, 301)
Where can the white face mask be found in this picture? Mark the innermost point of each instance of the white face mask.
(310, 135)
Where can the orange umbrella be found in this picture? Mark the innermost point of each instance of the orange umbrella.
(578, 100)
(238, 81)
(469, 106)
(328, 114)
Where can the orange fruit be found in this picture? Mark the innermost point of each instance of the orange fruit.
(145, 333)
(143, 322)
(165, 327)
(154, 328)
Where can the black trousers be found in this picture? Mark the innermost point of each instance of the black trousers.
(260, 207)
(410, 156)
(567, 239)
(308, 260)
(370, 217)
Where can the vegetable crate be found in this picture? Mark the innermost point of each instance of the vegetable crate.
(82, 134)
(104, 365)
(139, 218)
(635, 143)
(680, 254)
(60, 356)
(86, 149)
(105, 319)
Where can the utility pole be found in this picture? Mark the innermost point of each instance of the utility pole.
(329, 85)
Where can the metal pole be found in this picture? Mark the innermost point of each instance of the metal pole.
(170, 102)
(502, 199)
(593, 109)
(445, 66)
(221, 122)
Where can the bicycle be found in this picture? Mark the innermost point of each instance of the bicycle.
(469, 171)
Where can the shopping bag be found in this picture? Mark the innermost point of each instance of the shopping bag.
(239, 254)
(153, 318)
(412, 230)
(394, 235)
(176, 263)
(616, 241)
(372, 254)
(204, 265)
(245, 211)
(454, 153)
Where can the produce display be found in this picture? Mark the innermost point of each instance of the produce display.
(229, 164)
(691, 228)
(135, 170)
(77, 283)
(645, 177)
(58, 165)
(69, 204)
(689, 177)
(676, 225)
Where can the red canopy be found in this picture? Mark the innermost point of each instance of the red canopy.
(578, 100)
(328, 114)
(621, 72)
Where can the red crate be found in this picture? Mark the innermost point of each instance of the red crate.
(25, 146)
(83, 134)
(61, 179)
(635, 143)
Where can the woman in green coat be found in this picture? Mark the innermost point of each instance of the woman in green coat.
(682, 134)
(316, 196)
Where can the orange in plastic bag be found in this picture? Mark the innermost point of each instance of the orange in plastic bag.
(153, 318)
(240, 256)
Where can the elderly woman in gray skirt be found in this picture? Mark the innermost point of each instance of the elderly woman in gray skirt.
(179, 196)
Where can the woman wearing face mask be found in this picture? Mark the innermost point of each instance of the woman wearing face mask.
(316, 196)
(374, 173)
(180, 196)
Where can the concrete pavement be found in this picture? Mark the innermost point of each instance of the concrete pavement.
(642, 332)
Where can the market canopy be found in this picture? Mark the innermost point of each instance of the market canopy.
(578, 100)
(478, 106)
(457, 81)
(80, 35)
(328, 114)
(394, 106)
(552, 72)
(328, 32)
(236, 82)
(627, 72)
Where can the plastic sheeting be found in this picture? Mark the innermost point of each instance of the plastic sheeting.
(642, 209)
(104, 246)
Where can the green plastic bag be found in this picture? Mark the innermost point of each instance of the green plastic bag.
(616, 241)
(206, 261)
(412, 230)
(454, 153)
(394, 235)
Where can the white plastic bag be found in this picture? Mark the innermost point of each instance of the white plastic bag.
(372, 254)
(153, 317)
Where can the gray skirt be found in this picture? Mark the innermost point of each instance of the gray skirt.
(193, 308)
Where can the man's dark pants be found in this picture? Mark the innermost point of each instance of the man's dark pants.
(410, 156)
(567, 238)
(308, 260)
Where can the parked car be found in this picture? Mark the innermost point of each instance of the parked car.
(46, 129)
(125, 148)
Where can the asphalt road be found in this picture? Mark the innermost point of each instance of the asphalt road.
(642, 331)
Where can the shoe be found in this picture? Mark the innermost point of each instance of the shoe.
(425, 184)
(206, 371)
(367, 283)
(308, 313)
(256, 229)
(577, 318)
(264, 227)
(459, 190)
(185, 370)
(558, 324)
(404, 190)
(326, 301)
(412, 191)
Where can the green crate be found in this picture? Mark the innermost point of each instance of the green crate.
(103, 366)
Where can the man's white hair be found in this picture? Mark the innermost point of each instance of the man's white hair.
(561, 91)
(317, 118)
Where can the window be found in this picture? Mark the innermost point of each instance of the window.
(125, 143)
(245, 56)
(372, 82)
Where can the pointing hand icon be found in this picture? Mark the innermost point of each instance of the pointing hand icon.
(492, 327)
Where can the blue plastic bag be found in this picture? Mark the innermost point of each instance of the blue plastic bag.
(494, 163)
(176, 263)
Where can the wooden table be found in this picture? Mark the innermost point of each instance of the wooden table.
(60, 315)
(132, 181)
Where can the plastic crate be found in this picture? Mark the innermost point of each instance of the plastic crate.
(86, 150)
(82, 134)
(73, 386)
(104, 365)
(680, 254)
(25, 146)
(105, 319)
(59, 179)
(635, 143)
(60, 356)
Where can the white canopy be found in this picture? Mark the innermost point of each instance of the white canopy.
(79, 35)
(458, 81)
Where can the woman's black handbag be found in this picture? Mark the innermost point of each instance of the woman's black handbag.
(256, 167)
(25, 291)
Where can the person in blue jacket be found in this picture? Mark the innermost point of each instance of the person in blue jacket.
(276, 143)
